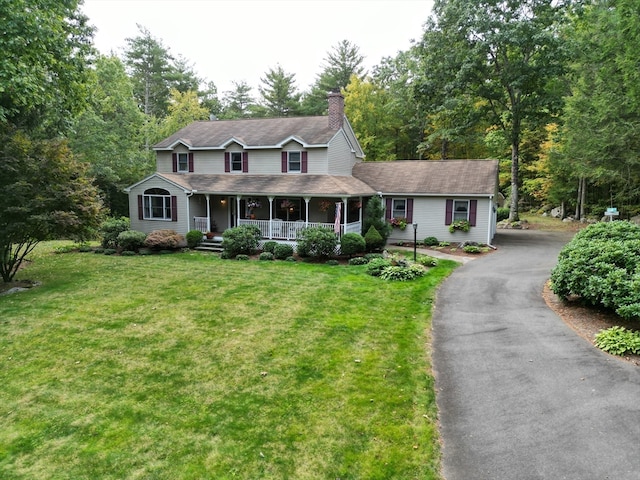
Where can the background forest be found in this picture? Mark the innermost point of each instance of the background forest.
(550, 88)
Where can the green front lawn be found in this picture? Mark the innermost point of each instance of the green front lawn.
(188, 366)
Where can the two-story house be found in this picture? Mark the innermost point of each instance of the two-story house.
(284, 174)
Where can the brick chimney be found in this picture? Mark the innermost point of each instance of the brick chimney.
(336, 110)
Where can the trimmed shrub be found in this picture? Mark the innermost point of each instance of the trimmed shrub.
(242, 257)
(358, 261)
(145, 251)
(282, 251)
(194, 238)
(602, 266)
(317, 242)
(352, 243)
(502, 213)
(332, 261)
(266, 256)
(376, 265)
(127, 253)
(164, 240)
(291, 259)
(131, 240)
(269, 246)
(109, 251)
(243, 239)
(472, 249)
(431, 241)
(373, 240)
(99, 250)
(110, 229)
(374, 214)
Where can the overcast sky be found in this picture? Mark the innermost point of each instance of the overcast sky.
(240, 40)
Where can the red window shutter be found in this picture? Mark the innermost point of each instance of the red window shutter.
(245, 162)
(448, 212)
(191, 162)
(284, 162)
(174, 161)
(174, 208)
(409, 210)
(227, 162)
(473, 209)
(140, 208)
(304, 162)
(389, 204)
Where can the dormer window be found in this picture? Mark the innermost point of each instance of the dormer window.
(183, 162)
(294, 162)
(236, 161)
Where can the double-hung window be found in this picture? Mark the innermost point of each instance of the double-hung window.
(156, 204)
(236, 161)
(460, 210)
(399, 208)
(294, 162)
(183, 162)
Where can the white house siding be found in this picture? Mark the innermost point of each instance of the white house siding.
(341, 160)
(429, 214)
(147, 226)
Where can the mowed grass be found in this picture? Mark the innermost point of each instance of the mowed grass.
(187, 366)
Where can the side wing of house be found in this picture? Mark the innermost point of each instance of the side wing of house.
(157, 204)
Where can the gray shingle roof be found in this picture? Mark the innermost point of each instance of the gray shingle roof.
(252, 132)
(430, 177)
(320, 185)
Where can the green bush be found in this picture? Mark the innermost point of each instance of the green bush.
(430, 241)
(332, 261)
(131, 240)
(402, 274)
(427, 261)
(127, 253)
(99, 250)
(602, 266)
(266, 256)
(109, 251)
(358, 261)
(373, 240)
(291, 259)
(269, 246)
(317, 242)
(502, 214)
(145, 251)
(242, 257)
(471, 249)
(618, 341)
(194, 238)
(371, 256)
(377, 265)
(110, 229)
(282, 251)
(243, 239)
(165, 240)
(352, 243)
(374, 213)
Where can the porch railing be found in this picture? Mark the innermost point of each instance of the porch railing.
(201, 223)
(283, 230)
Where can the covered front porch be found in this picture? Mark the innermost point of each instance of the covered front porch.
(280, 218)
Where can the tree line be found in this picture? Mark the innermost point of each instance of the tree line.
(548, 87)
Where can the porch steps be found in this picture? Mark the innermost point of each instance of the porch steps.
(211, 245)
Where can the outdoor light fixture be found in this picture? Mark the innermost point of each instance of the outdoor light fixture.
(415, 239)
(223, 201)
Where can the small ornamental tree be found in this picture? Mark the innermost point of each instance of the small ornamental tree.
(46, 194)
(374, 240)
(374, 217)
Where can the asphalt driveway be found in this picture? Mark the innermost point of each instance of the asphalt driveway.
(520, 395)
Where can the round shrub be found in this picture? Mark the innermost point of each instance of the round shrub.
(164, 240)
(145, 251)
(109, 251)
(332, 261)
(131, 240)
(373, 240)
(472, 249)
(502, 213)
(291, 259)
(266, 256)
(317, 242)
(127, 253)
(243, 239)
(110, 229)
(269, 246)
(242, 257)
(99, 250)
(358, 261)
(282, 251)
(352, 243)
(427, 261)
(431, 241)
(376, 265)
(194, 238)
(85, 248)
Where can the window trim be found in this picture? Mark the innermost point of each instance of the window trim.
(289, 161)
(455, 218)
(179, 164)
(148, 208)
(237, 162)
(394, 210)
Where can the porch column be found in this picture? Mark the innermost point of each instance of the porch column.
(306, 210)
(206, 195)
(344, 214)
(271, 198)
(238, 198)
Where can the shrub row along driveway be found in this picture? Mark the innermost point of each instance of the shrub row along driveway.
(520, 395)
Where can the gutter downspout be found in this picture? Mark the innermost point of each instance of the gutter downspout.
(490, 224)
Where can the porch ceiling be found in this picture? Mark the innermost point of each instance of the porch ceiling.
(244, 184)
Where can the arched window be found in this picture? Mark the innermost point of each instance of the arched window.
(157, 204)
